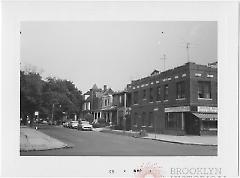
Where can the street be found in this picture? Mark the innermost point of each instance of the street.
(92, 143)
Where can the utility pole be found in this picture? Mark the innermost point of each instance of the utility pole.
(164, 60)
(155, 121)
(52, 111)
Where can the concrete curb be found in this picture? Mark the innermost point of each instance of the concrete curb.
(57, 148)
(177, 142)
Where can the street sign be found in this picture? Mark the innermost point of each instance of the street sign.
(36, 113)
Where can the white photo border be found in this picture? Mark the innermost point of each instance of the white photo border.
(15, 12)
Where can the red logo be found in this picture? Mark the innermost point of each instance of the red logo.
(148, 171)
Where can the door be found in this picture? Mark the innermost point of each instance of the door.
(192, 124)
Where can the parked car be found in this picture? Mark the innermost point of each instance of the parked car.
(84, 125)
(44, 122)
(65, 124)
(74, 124)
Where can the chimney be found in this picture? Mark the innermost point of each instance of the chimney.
(104, 87)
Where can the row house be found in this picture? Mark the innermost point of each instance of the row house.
(106, 105)
(113, 107)
(122, 103)
(99, 103)
(91, 102)
(179, 101)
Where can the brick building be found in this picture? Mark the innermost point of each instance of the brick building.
(92, 102)
(178, 101)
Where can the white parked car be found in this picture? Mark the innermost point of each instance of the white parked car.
(74, 124)
(84, 125)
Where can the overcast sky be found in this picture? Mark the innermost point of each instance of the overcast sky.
(113, 53)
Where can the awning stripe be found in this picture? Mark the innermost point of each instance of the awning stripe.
(206, 116)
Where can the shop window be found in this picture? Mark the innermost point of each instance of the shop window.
(173, 120)
(204, 89)
(209, 125)
(165, 92)
(180, 86)
(151, 94)
(158, 93)
(135, 97)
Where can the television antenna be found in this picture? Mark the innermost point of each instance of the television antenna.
(160, 41)
(164, 60)
(188, 46)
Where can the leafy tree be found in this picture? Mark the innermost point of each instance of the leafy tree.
(89, 117)
(50, 96)
(30, 93)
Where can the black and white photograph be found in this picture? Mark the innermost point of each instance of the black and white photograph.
(120, 89)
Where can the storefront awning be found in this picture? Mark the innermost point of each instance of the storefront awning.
(206, 116)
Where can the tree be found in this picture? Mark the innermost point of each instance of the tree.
(89, 117)
(30, 93)
(50, 96)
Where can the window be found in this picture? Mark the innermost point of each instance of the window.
(209, 125)
(121, 100)
(166, 92)
(204, 89)
(173, 120)
(158, 93)
(144, 94)
(150, 119)
(135, 97)
(151, 94)
(180, 90)
(143, 119)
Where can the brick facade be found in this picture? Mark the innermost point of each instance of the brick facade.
(175, 95)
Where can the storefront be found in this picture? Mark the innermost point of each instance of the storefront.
(207, 117)
(186, 120)
(175, 120)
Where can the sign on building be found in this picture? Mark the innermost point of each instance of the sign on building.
(207, 109)
(178, 109)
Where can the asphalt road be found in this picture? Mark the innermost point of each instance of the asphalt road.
(92, 143)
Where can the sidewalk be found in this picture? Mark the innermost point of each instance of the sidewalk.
(188, 140)
(31, 139)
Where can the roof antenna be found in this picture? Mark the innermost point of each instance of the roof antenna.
(164, 60)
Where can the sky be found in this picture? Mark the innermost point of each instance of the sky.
(114, 53)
